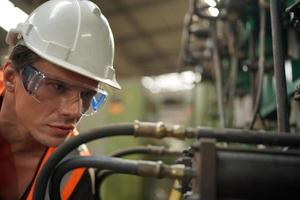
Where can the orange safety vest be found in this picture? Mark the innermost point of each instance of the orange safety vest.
(75, 175)
(1, 82)
(72, 181)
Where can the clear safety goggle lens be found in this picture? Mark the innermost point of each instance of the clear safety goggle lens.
(46, 89)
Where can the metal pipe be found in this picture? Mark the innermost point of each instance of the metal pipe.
(160, 130)
(234, 63)
(261, 63)
(279, 70)
(248, 137)
(186, 33)
(234, 60)
(140, 168)
(218, 76)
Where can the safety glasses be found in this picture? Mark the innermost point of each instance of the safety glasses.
(49, 90)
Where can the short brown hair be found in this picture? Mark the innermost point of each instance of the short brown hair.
(22, 56)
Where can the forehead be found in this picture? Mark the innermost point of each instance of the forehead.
(63, 74)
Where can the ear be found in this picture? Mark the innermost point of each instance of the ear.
(9, 77)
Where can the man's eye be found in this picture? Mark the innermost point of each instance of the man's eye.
(87, 94)
(58, 87)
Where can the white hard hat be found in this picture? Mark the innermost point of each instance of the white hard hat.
(73, 34)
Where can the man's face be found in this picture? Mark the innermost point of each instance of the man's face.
(50, 122)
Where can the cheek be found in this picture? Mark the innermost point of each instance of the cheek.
(27, 111)
(30, 113)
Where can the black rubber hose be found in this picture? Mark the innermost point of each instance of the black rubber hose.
(139, 168)
(155, 150)
(279, 70)
(102, 162)
(100, 177)
(71, 144)
(248, 137)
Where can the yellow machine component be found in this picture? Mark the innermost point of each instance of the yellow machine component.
(175, 192)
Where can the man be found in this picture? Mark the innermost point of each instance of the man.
(61, 60)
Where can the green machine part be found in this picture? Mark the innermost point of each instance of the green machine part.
(292, 69)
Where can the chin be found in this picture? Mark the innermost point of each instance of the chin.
(49, 141)
(48, 138)
(53, 142)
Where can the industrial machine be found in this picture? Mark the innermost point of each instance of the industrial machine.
(248, 49)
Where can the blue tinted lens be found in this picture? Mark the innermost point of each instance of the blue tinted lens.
(98, 101)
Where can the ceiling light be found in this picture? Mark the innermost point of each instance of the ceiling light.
(213, 11)
(171, 82)
(10, 16)
(211, 3)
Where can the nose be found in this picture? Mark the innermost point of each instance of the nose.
(72, 108)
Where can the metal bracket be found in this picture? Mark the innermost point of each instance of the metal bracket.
(204, 162)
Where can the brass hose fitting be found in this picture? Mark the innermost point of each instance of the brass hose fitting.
(160, 170)
(158, 130)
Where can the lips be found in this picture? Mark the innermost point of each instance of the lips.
(62, 130)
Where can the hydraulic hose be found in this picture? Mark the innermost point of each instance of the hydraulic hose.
(138, 129)
(156, 130)
(140, 168)
(71, 144)
(149, 149)
(100, 177)
(155, 150)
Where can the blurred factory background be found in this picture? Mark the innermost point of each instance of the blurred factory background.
(193, 63)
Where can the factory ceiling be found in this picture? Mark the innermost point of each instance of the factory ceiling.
(147, 33)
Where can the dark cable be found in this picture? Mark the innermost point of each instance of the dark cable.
(261, 64)
(156, 150)
(100, 177)
(140, 168)
(100, 162)
(71, 144)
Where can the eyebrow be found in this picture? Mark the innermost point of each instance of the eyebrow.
(73, 83)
